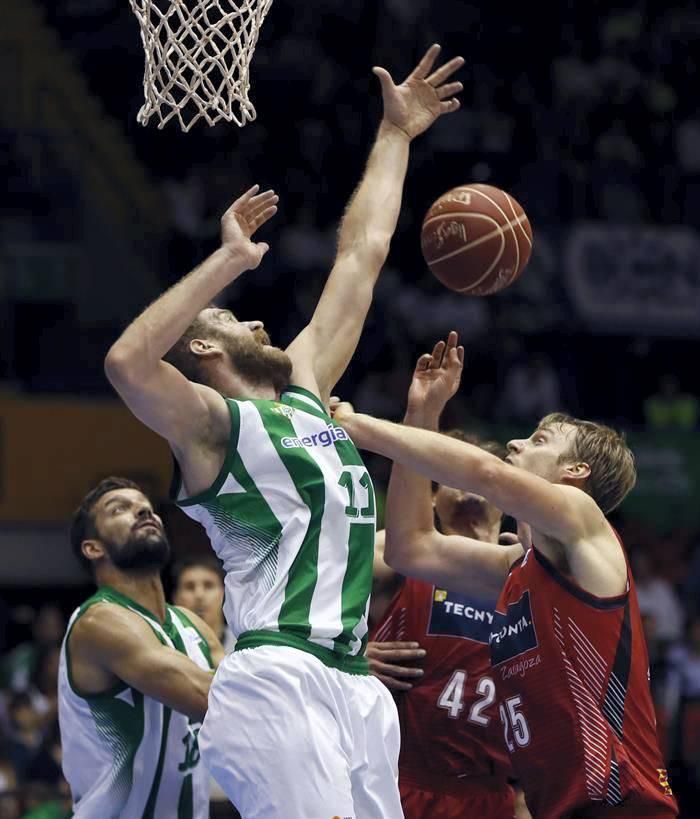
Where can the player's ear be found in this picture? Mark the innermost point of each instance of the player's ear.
(92, 549)
(579, 471)
(205, 348)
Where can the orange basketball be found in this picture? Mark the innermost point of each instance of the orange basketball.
(476, 239)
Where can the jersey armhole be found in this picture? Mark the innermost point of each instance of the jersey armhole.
(109, 693)
(305, 397)
(176, 611)
(176, 488)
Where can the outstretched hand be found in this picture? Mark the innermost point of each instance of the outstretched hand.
(436, 377)
(423, 96)
(242, 219)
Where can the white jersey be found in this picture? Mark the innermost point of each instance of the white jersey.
(126, 755)
(292, 517)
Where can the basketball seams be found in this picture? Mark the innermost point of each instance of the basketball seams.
(524, 232)
(516, 268)
(451, 220)
(499, 229)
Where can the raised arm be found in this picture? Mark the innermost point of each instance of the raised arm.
(564, 513)
(156, 392)
(322, 351)
(114, 641)
(414, 546)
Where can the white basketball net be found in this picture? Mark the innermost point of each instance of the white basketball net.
(198, 55)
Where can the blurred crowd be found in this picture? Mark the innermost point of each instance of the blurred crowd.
(595, 123)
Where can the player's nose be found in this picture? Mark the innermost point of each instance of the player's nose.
(515, 445)
(254, 325)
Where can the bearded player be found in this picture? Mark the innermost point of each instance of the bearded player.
(134, 672)
(296, 727)
(567, 648)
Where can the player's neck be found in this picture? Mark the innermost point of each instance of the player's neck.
(233, 385)
(144, 589)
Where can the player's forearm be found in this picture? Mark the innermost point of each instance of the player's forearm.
(437, 457)
(371, 217)
(409, 510)
(149, 337)
(180, 685)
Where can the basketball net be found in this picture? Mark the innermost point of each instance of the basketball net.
(198, 55)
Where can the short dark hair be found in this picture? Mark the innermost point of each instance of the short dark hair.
(83, 523)
(196, 561)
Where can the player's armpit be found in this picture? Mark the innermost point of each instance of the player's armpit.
(453, 561)
(121, 643)
(162, 398)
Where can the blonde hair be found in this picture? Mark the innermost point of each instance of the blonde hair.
(613, 473)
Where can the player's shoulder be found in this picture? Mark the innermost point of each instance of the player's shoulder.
(107, 619)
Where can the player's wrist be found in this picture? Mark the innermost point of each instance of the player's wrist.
(423, 416)
(235, 258)
(390, 129)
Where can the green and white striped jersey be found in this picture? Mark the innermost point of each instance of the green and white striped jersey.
(292, 517)
(125, 755)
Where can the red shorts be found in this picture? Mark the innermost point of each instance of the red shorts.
(485, 798)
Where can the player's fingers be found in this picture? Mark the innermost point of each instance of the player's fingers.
(449, 106)
(392, 670)
(242, 200)
(449, 90)
(425, 65)
(401, 654)
(452, 339)
(438, 77)
(438, 353)
(263, 216)
(394, 685)
(389, 644)
(384, 78)
(460, 354)
(262, 201)
(424, 362)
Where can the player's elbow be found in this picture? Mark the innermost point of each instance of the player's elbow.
(121, 365)
(402, 550)
(368, 251)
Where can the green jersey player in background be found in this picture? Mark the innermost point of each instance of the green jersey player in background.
(134, 672)
(295, 725)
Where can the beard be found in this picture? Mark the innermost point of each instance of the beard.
(143, 552)
(257, 362)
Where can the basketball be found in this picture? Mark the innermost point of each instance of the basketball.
(476, 239)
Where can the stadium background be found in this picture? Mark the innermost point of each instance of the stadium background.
(585, 113)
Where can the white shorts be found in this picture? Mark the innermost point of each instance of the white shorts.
(286, 737)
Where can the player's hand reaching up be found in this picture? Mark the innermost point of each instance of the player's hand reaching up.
(436, 378)
(423, 96)
(242, 219)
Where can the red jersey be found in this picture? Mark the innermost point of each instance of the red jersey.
(572, 673)
(449, 720)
